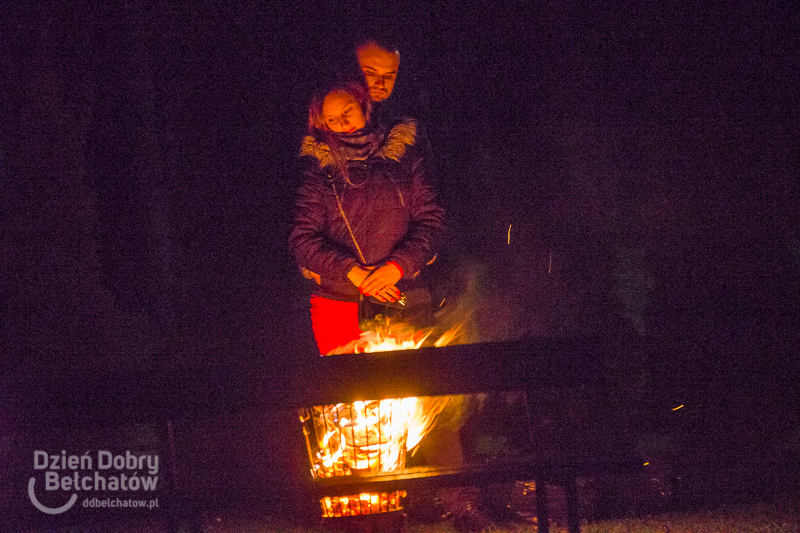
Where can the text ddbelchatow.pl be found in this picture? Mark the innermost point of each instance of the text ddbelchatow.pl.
(102, 472)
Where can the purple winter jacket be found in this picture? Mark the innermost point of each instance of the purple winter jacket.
(392, 208)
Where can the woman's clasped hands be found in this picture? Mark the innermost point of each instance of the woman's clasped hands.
(379, 282)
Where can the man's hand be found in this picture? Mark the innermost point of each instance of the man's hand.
(311, 275)
(381, 282)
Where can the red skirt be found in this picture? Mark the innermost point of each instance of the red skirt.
(335, 323)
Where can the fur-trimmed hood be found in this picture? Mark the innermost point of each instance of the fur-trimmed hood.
(394, 146)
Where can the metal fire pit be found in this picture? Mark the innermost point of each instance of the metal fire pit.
(341, 385)
(160, 397)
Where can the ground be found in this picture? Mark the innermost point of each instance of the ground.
(775, 517)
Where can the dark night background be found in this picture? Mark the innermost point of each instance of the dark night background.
(645, 156)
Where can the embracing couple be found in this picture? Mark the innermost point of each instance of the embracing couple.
(367, 214)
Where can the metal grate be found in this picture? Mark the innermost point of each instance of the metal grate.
(358, 438)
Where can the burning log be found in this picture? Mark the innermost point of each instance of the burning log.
(362, 438)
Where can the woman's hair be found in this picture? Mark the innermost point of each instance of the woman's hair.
(318, 128)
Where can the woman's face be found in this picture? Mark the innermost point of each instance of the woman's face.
(341, 113)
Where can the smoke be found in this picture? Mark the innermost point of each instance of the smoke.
(484, 312)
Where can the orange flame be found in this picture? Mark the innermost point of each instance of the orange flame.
(394, 337)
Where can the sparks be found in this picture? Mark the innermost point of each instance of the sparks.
(550, 266)
(676, 408)
(441, 304)
(509, 234)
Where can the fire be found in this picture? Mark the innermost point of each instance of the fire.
(366, 437)
(394, 337)
(370, 437)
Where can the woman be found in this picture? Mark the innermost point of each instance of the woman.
(367, 217)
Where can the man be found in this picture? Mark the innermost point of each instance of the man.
(379, 65)
(379, 61)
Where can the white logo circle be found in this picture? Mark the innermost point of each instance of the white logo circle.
(49, 510)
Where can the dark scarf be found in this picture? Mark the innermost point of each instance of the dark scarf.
(371, 141)
(359, 145)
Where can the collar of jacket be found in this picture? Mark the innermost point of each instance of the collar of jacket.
(394, 147)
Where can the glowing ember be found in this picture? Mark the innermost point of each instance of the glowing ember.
(361, 504)
(367, 437)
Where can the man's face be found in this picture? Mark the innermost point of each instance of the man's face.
(380, 70)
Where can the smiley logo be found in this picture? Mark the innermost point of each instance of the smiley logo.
(49, 510)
